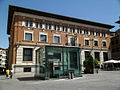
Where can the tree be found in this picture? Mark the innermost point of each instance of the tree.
(90, 64)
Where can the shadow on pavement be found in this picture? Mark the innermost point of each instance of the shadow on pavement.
(29, 79)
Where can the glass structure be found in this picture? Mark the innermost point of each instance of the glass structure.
(57, 61)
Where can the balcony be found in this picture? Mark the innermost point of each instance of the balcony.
(73, 44)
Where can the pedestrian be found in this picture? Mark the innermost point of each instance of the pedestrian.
(11, 73)
(97, 68)
(7, 73)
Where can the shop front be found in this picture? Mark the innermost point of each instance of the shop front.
(57, 62)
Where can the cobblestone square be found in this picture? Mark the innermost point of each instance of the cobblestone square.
(104, 80)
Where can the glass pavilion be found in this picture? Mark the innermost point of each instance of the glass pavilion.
(57, 61)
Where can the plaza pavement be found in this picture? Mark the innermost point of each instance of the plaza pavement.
(104, 80)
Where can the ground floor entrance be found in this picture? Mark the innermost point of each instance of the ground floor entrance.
(57, 61)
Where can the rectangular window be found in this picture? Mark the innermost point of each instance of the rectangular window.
(28, 36)
(36, 24)
(104, 43)
(27, 23)
(91, 33)
(27, 69)
(27, 54)
(57, 27)
(73, 60)
(54, 27)
(49, 26)
(73, 30)
(86, 42)
(72, 42)
(43, 38)
(95, 43)
(63, 28)
(97, 55)
(87, 55)
(86, 32)
(46, 26)
(105, 56)
(70, 29)
(30, 24)
(56, 39)
(40, 25)
(103, 34)
(78, 30)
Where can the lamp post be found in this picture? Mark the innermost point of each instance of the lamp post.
(92, 52)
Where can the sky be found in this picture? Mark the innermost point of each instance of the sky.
(102, 11)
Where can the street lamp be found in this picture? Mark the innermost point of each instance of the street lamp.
(91, 52)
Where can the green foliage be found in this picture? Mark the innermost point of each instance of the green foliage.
(90, 64)
(96, 62)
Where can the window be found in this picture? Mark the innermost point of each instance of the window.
(49, 26)
(40, 25)
(104, 43)
(91, 33)
(73, 30)
(95, 43)
(86, 42)
(97, 34)
(103, 34)
(28, 36)
(27, 69)
(70, 29)
(72, 42)
(78, 30)
(46, 26)
(73, 60)
(27, 54)
(54, 27)
(30, 24)
(56, 39)
(57, 27)
(63, 28)
(87, 55)
(86, 32)
(27, 23)
(36, 24)
(97, 55)
(43, 38)
(105, 56)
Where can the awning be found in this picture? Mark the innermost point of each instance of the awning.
(112, 61)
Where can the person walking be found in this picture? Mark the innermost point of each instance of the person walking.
(11, 73)
(7, 73)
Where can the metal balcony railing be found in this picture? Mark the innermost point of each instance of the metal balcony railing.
(73, 44)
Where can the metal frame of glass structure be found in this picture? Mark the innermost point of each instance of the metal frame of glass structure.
(57, 61)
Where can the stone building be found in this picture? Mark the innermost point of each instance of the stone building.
(115, 44)
(3, 59)
(31, 30)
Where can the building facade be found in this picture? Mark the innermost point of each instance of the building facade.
(31, 29)
(115, 44)
(3, 59)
